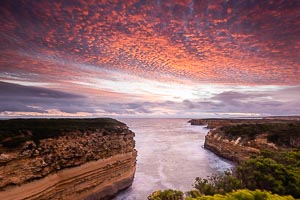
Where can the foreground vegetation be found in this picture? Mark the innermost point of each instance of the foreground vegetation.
(14, 132)
(235, 195)
(278, 173)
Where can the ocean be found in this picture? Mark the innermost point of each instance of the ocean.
(170, 156)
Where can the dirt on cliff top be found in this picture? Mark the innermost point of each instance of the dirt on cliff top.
(16, 131)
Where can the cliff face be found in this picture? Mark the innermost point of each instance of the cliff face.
(238, 142)
(231, 149)
(210, 123)
(213, 123)
(77, 164)
(218, 122)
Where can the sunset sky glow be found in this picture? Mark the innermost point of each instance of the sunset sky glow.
(149, 58)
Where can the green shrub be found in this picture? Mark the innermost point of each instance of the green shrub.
(193, 193)
(267, 174)
(166, 195)
(217, 184)
(245, 195)
(256, 173)
(290, 159)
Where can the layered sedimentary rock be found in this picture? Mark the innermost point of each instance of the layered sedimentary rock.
(239, 139)
(231, 149)
(75, 164)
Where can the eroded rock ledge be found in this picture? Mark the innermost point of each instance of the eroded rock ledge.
(239, 139)
(86, 162)
(218, 122)
(228, 148)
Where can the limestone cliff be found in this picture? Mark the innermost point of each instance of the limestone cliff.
(218, 122)
(231, 149)
(238, 141)
(86, 162)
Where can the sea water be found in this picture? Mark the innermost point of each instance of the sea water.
(170, 156)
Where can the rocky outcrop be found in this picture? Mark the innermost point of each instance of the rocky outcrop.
(231, 149)
(237, 141)
(219, 122)
(77, 164)
(213, 123)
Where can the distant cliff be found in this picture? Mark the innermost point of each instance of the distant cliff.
(218, 122)
(239, 139)
(65, 158)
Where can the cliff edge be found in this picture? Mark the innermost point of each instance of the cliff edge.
(239, 139)
(65, 158)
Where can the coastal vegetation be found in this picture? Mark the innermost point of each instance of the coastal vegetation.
(14, 132)
(256, 173)
(235, 195)
(269, 173)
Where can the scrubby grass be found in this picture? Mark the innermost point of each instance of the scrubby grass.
(13, 132)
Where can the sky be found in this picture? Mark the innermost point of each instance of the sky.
(160, 58)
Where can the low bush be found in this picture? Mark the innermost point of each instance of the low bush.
(166, 195)
(267, 174)
(244, 195)
(218, 184)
